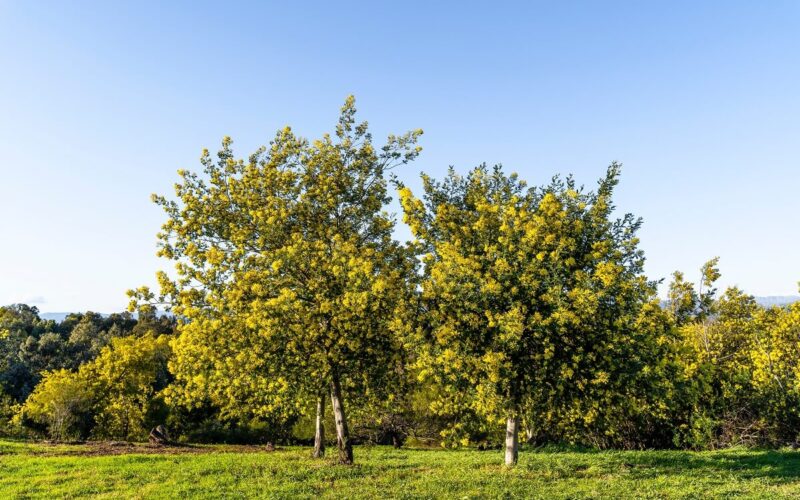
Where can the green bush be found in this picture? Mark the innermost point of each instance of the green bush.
(62, 405)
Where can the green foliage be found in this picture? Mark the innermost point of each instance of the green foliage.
(9, 425)
(128, 377)
(30, 346)
(62, 404)
(736, 383)
(535, 303)
(117, 395)
(288, 278)
(516, 303)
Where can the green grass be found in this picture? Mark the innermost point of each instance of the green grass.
(39, 470)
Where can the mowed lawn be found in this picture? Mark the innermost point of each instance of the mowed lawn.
(116, 470)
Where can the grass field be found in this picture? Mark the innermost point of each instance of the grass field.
(138, 471)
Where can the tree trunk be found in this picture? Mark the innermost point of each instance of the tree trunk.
(342, 433)
(319, 436)
(512, 440)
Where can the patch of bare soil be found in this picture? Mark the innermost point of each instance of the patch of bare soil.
(102, 448)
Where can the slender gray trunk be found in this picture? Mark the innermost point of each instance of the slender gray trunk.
(512, 440)
(342, 433)
(319, 436)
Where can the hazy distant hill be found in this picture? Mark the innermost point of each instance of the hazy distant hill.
(59, 316)
(773, 300)
(778, 300)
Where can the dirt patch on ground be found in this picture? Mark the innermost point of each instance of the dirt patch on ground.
(101, 448)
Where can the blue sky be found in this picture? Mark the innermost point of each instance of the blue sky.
(101, 103)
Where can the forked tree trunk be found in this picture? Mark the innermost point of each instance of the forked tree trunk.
(319, 436)
(512, 440)
(342, 433)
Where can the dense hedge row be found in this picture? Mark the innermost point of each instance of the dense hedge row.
(730, 377)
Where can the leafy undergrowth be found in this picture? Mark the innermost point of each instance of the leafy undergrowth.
(114, 470)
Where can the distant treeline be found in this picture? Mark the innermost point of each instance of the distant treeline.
(513, 305)
(730, 377)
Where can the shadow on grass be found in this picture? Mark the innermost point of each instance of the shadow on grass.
(775, 465)
(783, 465)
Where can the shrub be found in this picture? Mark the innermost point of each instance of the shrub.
(61, 405)
(118, 395)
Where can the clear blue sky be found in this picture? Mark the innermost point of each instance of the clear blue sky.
(101, 103)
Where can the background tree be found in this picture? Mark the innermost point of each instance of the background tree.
(28, 345)
(116, 395)
(775, 356)
(128, 378)
(62, 405)
(287, 273)
(735, 378)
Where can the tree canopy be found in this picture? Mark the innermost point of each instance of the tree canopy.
(533, 297)
(287, 273)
